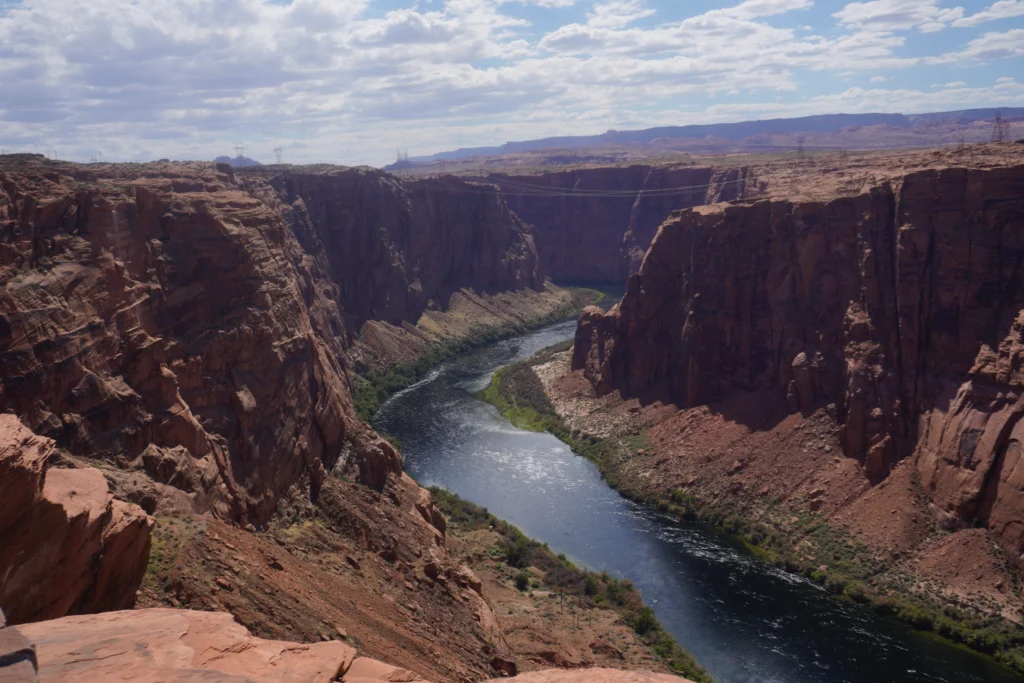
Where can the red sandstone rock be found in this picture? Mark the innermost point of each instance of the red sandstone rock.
(196, 323)
(365, 670)
(161, 645)
(68, 546)
(902, 307)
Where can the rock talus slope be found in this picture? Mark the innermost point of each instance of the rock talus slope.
(898, 310)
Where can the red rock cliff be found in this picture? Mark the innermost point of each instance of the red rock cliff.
(179, 323)
(397, 247)
(601, 235)
(901, 307)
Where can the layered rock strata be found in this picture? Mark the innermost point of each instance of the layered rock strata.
(898, 310)
(197, 328)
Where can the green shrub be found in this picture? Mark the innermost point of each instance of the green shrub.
(645, 622)
(523, 580)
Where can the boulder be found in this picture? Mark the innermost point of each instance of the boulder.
(365, 670)
(69, 547)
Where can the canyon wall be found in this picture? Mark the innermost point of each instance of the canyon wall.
(177, 322)
(601, 236)
(900, 310)
(397, 248)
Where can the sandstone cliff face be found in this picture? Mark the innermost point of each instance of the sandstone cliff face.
(899, 308)
(396, 248)
(68, 546)
(194, 329)
(601, 236)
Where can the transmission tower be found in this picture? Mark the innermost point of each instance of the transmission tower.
(239, 151)
(800, 147)
(1001, 129)
(279, 152)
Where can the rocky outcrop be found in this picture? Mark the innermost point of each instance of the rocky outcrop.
(899, 310)
(196, 328)
(601, 235)
(68, 546)
(162, 645)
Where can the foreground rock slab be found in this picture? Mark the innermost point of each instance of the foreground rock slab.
(162, 645)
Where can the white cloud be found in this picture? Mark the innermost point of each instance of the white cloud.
(752, 9)
(994, 45)
(1004, 9)
(878, 79)
(898, 15)
(189, 78)
(617, 13)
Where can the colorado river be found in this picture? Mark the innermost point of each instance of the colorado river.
(743, 620)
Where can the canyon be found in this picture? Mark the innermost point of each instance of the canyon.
(183, 347)
(179, 348)
(854, 360)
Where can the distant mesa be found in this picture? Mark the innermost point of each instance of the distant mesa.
(830, 131)
(237, 162)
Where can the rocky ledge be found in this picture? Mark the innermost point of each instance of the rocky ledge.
(164, 645)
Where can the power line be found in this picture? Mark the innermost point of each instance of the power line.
(606, 194)
(528, 189)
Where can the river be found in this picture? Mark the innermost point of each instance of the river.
(745, 621)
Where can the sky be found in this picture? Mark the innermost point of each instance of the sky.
(352, 81)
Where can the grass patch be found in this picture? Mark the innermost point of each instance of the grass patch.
(590, 589)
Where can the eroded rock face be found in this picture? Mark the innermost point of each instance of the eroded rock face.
(601, 236)
(68, 546)
(396, 248)
(899, 308)
(161, 645)
(195, 327)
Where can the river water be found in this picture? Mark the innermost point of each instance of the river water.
(743, 620)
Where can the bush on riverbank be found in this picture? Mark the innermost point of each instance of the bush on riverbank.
(850, 568)
(589, 589)
(372, 387)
